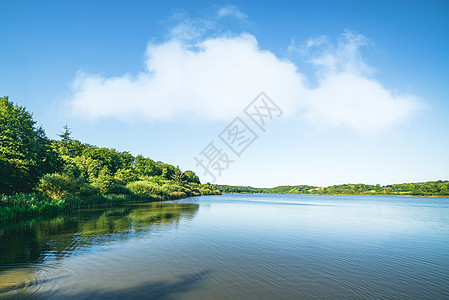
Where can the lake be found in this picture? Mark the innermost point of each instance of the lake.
(234, 247)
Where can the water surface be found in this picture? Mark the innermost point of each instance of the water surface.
(234, 247)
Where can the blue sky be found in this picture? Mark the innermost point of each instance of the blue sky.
(363, 85)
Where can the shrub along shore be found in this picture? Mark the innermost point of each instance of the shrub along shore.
(40, 176)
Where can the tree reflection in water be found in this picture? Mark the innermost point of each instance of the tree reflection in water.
(42, 239)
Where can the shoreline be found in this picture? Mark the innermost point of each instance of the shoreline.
(377, 195)
(51, 206)
(47, 206)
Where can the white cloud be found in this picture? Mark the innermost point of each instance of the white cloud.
(231, 11)
(346, 98)
(217, 77)
(346, 94)
(343, 57)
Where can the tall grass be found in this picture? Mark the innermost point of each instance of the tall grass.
(29, 205)
(22, 206)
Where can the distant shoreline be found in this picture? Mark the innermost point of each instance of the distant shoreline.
(375, 195)
(438, 188)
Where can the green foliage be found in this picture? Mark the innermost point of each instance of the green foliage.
(177, 176)
(68, 148)
(59, 185)
(146, 167)
(87, 166)
(28, 205)
(25, 152)
(168, 171)
(88, 190)
(125, 176)
(145, 187)
(431, 188)
(159, 180)
(229, 189)
(65, 135)
(109, 158)
(176, 195)
(210, 192)
(298, 189)
(172, 188)
(191, 177)
(104, 180)
(119, 189)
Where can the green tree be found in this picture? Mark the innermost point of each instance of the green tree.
(145, 166)
(125, 176)
(190, 176)
(177, 176)
(89, 168)
(65, 135)
(110, 158)
(59, 185)
(25, 151)
(104, 180)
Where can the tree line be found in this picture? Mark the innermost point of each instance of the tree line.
(430, 188)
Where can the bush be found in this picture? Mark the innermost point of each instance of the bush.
(206, 191)
(168, 188)
(88, 190)
(159, 180)
(195, 192)
(177, 195)
(118, 198)
(104, 180)
(93, 201)
(58, 185)
(119, 190)
(145, 187)
(125, 176)
(21, 206)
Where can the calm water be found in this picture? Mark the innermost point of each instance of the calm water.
(235, 247)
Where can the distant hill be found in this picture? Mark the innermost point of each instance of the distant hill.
(430, 188)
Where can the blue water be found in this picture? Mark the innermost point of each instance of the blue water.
(235, 247)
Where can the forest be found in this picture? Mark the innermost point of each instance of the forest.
(40, 176)
(430, 188)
